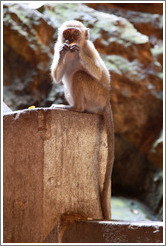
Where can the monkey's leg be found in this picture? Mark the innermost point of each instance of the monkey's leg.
(88, 95)
(77, 92)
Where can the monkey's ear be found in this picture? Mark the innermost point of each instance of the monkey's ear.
(87, 34)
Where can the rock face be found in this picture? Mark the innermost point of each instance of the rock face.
(28, 43)
(153, 8)
(130, 42)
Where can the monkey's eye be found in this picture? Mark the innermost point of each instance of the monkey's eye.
(76, 33)
(66, 34)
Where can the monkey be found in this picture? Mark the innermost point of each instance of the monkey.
(78, 65)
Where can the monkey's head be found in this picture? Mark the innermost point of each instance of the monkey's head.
(73, 32)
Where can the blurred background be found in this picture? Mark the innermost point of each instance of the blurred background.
(129, 38)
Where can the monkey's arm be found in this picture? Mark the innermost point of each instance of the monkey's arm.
(57, 67)
(90, 60)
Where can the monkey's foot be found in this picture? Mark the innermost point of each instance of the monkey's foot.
(61, 106)
(67, 107)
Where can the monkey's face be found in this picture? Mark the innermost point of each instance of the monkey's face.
(71, 35)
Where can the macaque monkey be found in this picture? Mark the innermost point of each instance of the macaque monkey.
(86, 86)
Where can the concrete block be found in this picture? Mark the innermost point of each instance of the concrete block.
(54, 164)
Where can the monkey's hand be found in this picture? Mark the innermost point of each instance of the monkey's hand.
(63, 49)
(75, 48)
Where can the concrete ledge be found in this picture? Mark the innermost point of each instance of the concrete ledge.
(112, 232)
(54, 164)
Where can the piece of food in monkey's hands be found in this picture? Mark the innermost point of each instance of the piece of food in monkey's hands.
(71, 44)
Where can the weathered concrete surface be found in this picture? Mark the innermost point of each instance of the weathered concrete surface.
(112, 232)
(54, 164)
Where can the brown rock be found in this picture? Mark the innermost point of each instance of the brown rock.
(156, 153)
(154, 8)
(27, 42)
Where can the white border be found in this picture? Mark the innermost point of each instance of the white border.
(45, 2)
(2, 2)
(1, 124)
(164, 91)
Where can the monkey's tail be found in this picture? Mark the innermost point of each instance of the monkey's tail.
(108, 120)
